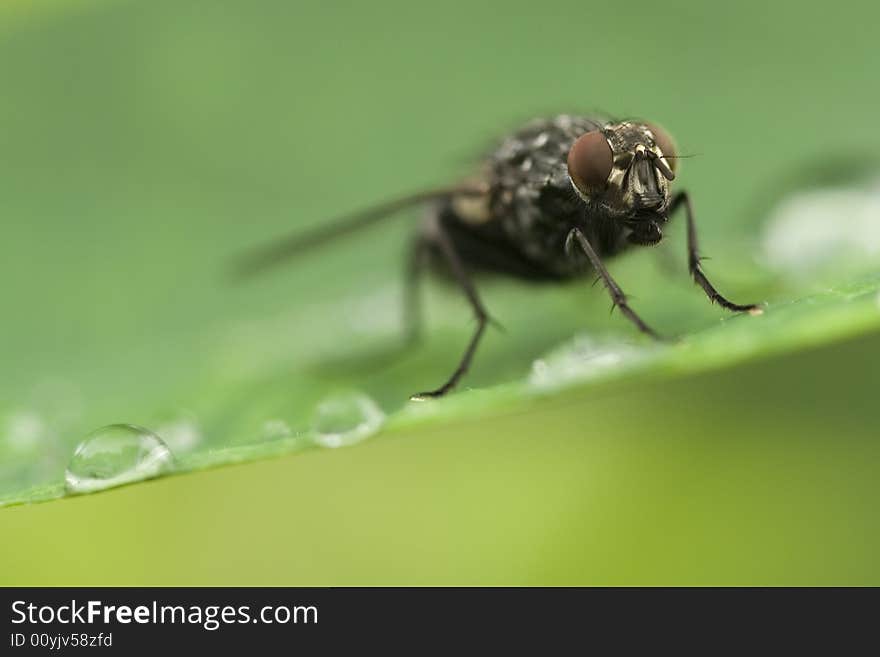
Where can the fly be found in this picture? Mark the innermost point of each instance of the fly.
(552, 202)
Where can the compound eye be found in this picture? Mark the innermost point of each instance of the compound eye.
(589, 162)
(665, 144)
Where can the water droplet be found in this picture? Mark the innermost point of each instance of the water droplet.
(585, 358)
(180, 432)
(346, 419)
(275, 429)
(804, 238)
(115, 455)
(29, 449)
(25, 431)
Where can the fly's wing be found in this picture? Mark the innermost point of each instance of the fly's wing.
(262, 258)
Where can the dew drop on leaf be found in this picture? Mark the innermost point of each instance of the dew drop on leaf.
(584, 358)
(180, 432)
(804, 236)
(115, 455)
(275, 429)
(346, 419)
(24, 432)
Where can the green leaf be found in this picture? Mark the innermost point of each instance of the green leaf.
(129, 181)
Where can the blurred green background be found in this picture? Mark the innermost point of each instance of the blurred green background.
(143, 143)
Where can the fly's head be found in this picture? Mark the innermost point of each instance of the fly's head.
(625, 170)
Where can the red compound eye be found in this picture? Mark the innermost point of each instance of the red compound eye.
(666, 145)
(589, 162)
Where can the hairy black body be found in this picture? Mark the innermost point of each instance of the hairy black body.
(551, 202)
(521, 225)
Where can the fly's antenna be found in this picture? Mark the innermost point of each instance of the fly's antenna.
(265, 257)
(661, 165)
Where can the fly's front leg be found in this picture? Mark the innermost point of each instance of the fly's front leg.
(617, 295)
(447, 250)
(682, 198)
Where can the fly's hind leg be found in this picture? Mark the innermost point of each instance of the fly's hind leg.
(416, 263)
(440, 240)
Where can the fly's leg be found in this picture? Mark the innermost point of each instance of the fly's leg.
(617, 295)
(446, 248)
(416, 263)
(682, 198)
